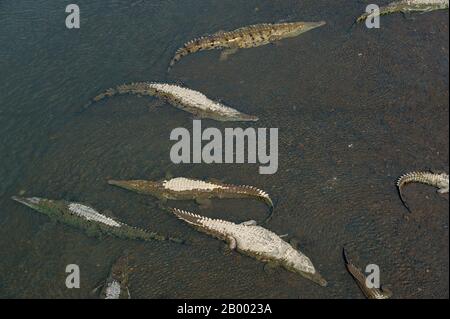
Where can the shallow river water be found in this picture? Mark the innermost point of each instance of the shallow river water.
(355, 108)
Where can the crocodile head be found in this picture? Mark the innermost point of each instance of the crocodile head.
(443, 182)
(316, 277)
(240, 117)
(299, 263)
(297, 28)
(139, 186)
(41, 205)
(32, 202)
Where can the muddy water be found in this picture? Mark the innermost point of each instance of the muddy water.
(355, 109)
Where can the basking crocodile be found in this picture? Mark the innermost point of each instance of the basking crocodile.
(183, 98)
(360, 278)
(408, 6)
(255, 241)
(245, 37)
(182, 188)
(87, 218)
(439, 180)
(116, 285)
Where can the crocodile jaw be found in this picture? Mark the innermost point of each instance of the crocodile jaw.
(32, 202)
(122, 184)
(303, 27)
(443, 183)
(312, 25)
(238, 118)
(315, 277)
(136, 186)
(295, 262)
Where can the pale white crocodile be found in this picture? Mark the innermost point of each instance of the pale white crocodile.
(183, 98)
(255, 241)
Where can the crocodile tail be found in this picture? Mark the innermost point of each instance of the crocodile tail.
(271, 209)
(188, 217)
(108, 93)
(265, 198)
(195, 45)
(181, 52)
(260, 194)
(270, 204)
(345, 255)
(402, 198)
(403, 180)
(176, 240)
(360, 18)
(268, 201)
(151, 236)
(136, 88)
(383, 11)
(352, 269)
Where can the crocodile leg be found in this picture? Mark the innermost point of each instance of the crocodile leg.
(429, 9)
(443, 190)
(386, 291)
(226, 53)
(270, 267)
(162, 203)
(407, 15)
(250, 223)
(157, 103)
(231, 242)
(203, 202)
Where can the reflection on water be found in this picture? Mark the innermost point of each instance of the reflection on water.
(355, 109)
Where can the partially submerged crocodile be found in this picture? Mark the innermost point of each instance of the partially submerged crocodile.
(245, 37)
(182, 188)
(360, 279)
(255, 241)
(439, 180)
(88, 219)
(408, 6)
(183, 98)
(116, 285)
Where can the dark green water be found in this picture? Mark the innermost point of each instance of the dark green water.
(384, 92)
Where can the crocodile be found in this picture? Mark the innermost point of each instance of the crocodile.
(116, 285)
(407, 6)
(255, 241)
(439, 180)
(181, 188)
(360, 278)
(243, 38)
(86, 218)
(180, 97)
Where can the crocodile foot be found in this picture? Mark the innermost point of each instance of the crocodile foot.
(226, 53)
(250, 223)
(270, 268)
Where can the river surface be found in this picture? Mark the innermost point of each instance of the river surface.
(355, 108)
